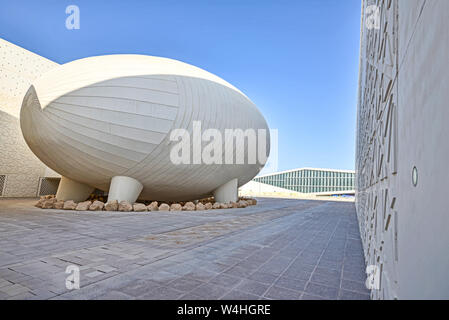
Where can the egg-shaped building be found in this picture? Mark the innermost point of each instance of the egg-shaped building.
(105, 122)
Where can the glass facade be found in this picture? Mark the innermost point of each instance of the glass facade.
(310, 180)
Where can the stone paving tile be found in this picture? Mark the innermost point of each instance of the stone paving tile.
(280, 247)
(138, 288)
(227, 261)
(239, 295)
(349, 295)
(213, 266)
(239, 271)
(185, 284)
(105, 268)
(327, 277)
(278, 293)
(22, 296)
(14, 289)
(299, 272)
(249, 265)
(293, 284)
(201, 275)
(321, 291)
(311, 297)
(226, 280)
(4, 283)
(191, 296)
(354, 274)
(263, 277)
(162, 293)
(115, 295)
(330, 264)
(42, 294)
(94, 274)
(354, 286)
(326, 280)
(210, 291)
(161, 277)
(253, 287)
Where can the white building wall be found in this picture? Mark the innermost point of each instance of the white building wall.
(403, 118)
(18, 68)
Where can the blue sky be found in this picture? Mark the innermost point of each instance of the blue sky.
(296, 60)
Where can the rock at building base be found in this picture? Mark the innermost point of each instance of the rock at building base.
(200, 206)
(48, 204)
(242, 204)
(111, 206)
(164, 207)
(139, 207)
(125, 206)
(175, 207)
(69, 205)
(58, 205)
(96, 206)
(189, 206)
(153, 206)
(208, 206)
(83, 206)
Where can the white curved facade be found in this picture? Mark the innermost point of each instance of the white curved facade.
(100, 117)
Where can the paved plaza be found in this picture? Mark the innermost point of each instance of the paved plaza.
(279, 249)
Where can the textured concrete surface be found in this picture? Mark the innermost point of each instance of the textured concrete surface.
(279, 249)
(18, 69)
(402, 126)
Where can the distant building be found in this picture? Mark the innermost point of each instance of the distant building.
(310, 180)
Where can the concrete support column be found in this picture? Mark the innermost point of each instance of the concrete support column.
(124, 189)
(73, 190)
(227, 192)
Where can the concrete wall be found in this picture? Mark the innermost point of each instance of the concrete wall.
(403, 118)
(18, 68)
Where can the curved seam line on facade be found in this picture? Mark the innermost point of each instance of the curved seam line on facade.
(128, 87)
(142, 162)
(100, 141)
(85, 152)
(117, 98)
(63, 152)
(108, 122)
(109, 110)
(107, 133)
(183, 124)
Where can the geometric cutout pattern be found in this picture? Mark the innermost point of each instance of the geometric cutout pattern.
(377, 146)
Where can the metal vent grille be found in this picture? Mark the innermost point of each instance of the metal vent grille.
(2, 184)
(48, 186)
